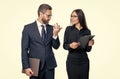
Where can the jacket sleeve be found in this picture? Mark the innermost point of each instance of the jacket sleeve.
(88, 48)
(25, 48)
(55, 43)
(66, 39)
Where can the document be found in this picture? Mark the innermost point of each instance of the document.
(84, 40)
(34, 65)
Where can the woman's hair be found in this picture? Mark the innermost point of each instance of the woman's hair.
(81, 18)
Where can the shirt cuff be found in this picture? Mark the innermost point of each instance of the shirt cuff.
(55, 37)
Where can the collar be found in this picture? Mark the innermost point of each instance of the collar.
(38, 23)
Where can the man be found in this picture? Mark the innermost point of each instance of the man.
(37, 43)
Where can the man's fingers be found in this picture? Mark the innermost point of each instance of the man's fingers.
(29, 72)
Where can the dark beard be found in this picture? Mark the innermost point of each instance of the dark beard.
(44, 21)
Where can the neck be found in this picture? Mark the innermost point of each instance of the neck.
(78, 26)
(39, 19)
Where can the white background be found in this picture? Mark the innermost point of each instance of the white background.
(103, 18)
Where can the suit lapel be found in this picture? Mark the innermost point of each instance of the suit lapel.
(37, 34)
(49, 34)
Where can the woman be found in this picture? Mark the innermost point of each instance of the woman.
(77, 60)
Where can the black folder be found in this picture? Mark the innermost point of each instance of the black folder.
(84, 40)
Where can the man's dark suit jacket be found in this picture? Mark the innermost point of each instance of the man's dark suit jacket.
(34, 47)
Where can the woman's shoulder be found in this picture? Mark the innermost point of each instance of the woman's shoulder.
(69, 27)
(87, 31)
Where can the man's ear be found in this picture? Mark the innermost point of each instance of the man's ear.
(40, 14)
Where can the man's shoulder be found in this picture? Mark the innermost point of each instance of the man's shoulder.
(30, 24)
(69, 27)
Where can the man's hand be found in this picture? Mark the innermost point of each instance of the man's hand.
(56, 29)
(28, 72)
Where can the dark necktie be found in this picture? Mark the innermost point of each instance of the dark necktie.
(43, 33)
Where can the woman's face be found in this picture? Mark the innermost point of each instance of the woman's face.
(74, 18)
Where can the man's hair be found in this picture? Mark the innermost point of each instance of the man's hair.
(43, 7)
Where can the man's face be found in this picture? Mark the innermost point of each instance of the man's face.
(46, 16)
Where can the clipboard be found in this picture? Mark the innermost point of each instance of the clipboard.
(84, 40)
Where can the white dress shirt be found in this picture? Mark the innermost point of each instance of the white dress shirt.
(40, 28)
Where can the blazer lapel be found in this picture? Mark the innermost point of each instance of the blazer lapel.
(37, 34)
(49, 34)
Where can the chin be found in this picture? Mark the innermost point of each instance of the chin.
(46, 22)
(73, 23)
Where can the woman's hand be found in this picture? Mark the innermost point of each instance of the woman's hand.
(91, 42)
(74, 45)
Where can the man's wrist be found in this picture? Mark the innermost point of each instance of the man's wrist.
(55, 37)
